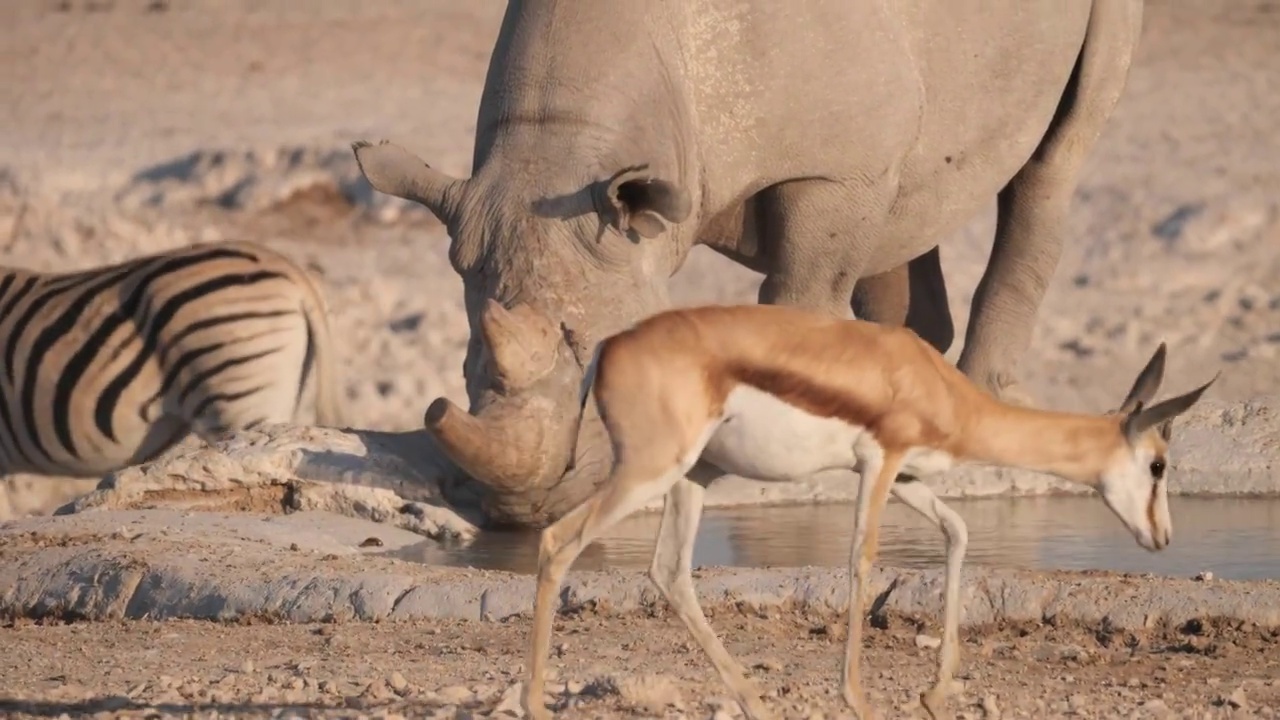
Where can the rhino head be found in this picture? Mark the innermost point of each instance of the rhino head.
(545, 279)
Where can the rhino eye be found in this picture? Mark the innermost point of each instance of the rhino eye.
(1157, 469)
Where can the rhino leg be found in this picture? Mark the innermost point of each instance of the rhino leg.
(824, 234)
(883, 298)
(914, 295)
(1032, 207)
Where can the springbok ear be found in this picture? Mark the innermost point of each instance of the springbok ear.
(1147, 384)
(645, 203)
(1162, 414)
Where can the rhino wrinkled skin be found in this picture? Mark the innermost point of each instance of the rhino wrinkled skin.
(818, 142)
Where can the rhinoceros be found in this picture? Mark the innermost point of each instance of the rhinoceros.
(818, 142)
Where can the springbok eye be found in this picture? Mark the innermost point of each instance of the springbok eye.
(1157, 469)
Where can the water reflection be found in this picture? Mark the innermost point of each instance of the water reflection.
(1233, 538)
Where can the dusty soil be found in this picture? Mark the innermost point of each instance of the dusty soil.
(647, 667)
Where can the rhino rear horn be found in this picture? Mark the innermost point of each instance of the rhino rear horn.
(645, 203)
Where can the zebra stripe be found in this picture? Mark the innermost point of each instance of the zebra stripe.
(108, 367)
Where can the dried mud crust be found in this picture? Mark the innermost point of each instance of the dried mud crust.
(632, 665)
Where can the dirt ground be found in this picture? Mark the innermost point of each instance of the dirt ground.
(627, 666)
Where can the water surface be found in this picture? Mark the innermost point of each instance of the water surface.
(1232, 538)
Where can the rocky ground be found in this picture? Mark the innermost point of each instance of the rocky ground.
(630, 666)
(130, 126)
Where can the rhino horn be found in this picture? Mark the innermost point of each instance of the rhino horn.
(392, 170)
(509, 445)
(524, 343)
(522, 436)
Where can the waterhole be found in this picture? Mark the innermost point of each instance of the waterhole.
(1231, 538)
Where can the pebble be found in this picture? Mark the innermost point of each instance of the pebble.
(768, 665)
(1155, 705)
(927, 642)
(455, 694)
(509, 704)
(990, 708)
(1236, 699)
(397, 681)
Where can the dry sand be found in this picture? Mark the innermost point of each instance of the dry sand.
(134, 125)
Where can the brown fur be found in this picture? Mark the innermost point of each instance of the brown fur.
(885, 379)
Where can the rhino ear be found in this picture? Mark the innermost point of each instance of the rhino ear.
(395, 171)
(645, 203)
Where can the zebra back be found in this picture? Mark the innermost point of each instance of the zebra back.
(106, 367)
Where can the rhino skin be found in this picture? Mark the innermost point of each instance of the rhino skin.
(817, 142)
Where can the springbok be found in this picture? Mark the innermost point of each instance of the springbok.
(777, 393)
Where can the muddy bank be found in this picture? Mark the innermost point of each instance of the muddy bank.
(317, 566)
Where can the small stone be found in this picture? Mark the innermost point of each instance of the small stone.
(1204, 576)
(397, 681)
(652, 693)
(293, 697)
(509, 703)
(371, 542)
(247, 667)
(927, 642)
(455, 694)
(1236, 699)
(990, 708)
(768, 665)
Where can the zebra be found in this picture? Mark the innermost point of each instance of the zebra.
(105, 368)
